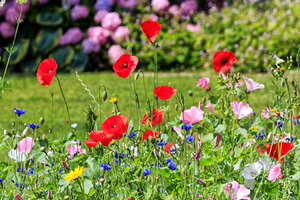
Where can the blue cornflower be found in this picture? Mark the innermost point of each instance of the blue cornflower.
(52, 163)
(172, 165)
(189, 138)
(279, 123)
(186, 127)
(162, 143)
(117, 161)
(19, 112)
(173, 150)
(33, 126)
(60, 171)
(1, 181)
(103, 5)
(169, 159)
(20, 169)
(101, 176)
(121, 155)
(133, 134)
(147, 172)
(261, 135)
(294, 121)
(20, 185)
(105, 166)
(30, 171)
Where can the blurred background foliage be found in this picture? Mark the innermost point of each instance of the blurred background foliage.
(192, 32)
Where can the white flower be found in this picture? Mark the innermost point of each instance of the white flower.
(267, 165)
(237, 165)
(251, 171)
(74, 125)
(17, 156)
(250, 183)
(25, 131)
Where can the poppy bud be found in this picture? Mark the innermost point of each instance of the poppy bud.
(295, 92)
(42, 120)
(66, 197)
(25, 131)
(50, 130)
(13, 124)
(104, 95)
(44, 138)
(190, 93)
(65, 165)
(176, 107)
(26, 164)
(282, 83)
(137, 99)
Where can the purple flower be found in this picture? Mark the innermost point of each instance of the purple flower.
(174, 10)
(79, 12)
(99, 16)
(7, 30)
(114, 53)
(3, 10)
(120, 34)
(103, 5)
(90, 45)
(130, 4)
(12, 14)
(25, 8)
(160, 5)
(197, 156)
(111, 21)
(73, 2)
(189, 7)
(72, 36)
(98, 33)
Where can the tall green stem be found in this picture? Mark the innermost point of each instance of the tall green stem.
(11, 51)
(65, 101)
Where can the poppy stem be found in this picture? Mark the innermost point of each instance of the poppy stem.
(65, 101)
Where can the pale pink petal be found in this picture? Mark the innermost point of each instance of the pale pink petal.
(243, 193)
(82, 151)
(177, 130)
(25, 145)
(192, 115)
(72, 149)
(200, 105)
(265, 115)
(203, 82)
(210, 107)
(275, 173)
(241, 109)
(251, 85)
(224, 77)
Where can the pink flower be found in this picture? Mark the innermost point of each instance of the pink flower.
(49, 194)
(111, 21)
(73, 149)
(7, 30)
(265, 115)
(251, 85)
(236, 191)
(18, 196)
(177, 130)
(189, 7)
(239, 84)
(25, 8)
(3, 10)
(130, 4)
(25, 145)
(275, 173)
(223, 76)
(79, 12)
(210, 107)
(203, 82)
(90, 45)
(121, 34)
(115, 52)
(160, 5)
(12, 14)
(241, 109)
(192, 115)
(193, 28)
(98, 33)
(174, 10)
(99, 16)
(72, 36)
(153, 17)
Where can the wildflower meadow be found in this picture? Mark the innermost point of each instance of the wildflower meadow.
(172, 143)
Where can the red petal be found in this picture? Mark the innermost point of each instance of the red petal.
(96, 135)
(125, 65)
(156, 117)
(148, 133)
(151, 29)
(90, 143)
(46, 71)
(282, 148)
(115, 125)
(223, 60)
(168, 147)
(164, 92)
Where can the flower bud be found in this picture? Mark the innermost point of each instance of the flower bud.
(25, 131)
(190, 92)
(44, 138)
(137, 75)
(66, 197)
(201, 181)
(49, 194)
(26, 164)
(282, 83)
(218, 139)
(5, 132)
(18, 196)
(104, 95)
(65, 165)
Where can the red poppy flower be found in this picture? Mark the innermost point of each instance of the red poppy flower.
(125, 65)
(148, 133)
(90, 143)
(46, 71)
(155, 118)
(164, 91)
(223, 60)
(282, 148)
(167, 148)
(151, 29)
(115, 125)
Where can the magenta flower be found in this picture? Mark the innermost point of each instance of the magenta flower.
(115, 52)
(210, 107)
(121, 34)
(251, 85)
(18, 196)
(111, 21)
(12, 14)
(275, 173)
(98, 33)
(49, 194)
(219, 136)
(99, 16)
(130, 4)
(79, 12)
(25, 9)
(192, 115)
(236, 191)
(203, 82)
(177, 130)
(193, 28)
(189, 7)
(7, 30)
(72, 36)
(25, 145)
(241, 109)
(160, 5)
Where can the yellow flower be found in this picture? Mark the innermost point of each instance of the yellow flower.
(255, 128)
(113, 141)
(72, 175)
(113, 100)
(281, 68)
(271, 110)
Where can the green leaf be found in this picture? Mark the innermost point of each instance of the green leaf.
(63, 184)
(207, 161)
(79, 61)
(130, 127)
(127, 169)
(207, 138)
(92, 168)
(87, 186)
(48, 39)
(49, 18)
(63, 55)
(164, 172)
(241, 131)
(296, 176)
(220, 128)
(270, 188)
(31, 65)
